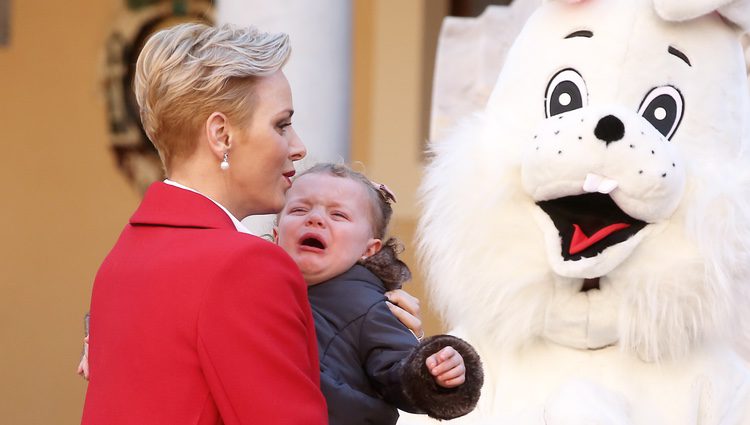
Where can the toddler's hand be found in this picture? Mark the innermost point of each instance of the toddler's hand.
(83, 366)
(447, 366)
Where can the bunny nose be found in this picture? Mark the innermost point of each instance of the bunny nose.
(609, 129)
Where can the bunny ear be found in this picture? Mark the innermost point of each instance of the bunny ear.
(683, 10)
(737, 11)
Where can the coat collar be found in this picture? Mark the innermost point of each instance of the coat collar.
(357, 273)
(165, 205)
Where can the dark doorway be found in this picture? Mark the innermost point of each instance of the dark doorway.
(472, 8)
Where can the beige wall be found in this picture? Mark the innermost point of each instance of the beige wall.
(64, 202)
(394, 45)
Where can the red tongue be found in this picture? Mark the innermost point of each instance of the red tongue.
(580, 241)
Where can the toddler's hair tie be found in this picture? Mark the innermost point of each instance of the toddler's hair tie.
(387, 194)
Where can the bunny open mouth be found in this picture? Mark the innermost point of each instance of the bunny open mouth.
(589, 223)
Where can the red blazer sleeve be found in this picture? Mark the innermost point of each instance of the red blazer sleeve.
(256, 342)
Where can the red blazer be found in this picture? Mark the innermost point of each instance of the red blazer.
(193, 322)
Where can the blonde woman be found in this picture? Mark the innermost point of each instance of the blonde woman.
(193, 321)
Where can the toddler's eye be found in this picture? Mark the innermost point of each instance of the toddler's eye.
(294, 210)
(339, 214)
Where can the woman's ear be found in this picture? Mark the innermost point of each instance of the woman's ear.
(217, 134)
(373, 246)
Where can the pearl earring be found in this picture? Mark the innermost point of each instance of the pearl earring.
(225, 162)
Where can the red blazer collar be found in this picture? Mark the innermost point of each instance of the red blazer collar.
(166, 205)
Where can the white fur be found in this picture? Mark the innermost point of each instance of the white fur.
(736, 11)
(654, 343)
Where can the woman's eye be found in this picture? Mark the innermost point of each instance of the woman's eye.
(663, 108)
(565, 92)
(283, 126)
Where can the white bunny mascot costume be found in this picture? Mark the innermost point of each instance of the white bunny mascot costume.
(589, 231)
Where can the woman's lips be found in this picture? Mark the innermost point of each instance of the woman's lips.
(288, 176)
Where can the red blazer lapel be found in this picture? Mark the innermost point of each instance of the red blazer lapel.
(166, 205)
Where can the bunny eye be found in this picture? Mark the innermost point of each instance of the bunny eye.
(663, 108)
(566, 92)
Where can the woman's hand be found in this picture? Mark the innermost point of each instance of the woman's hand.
(447, 366)
(406, 309)
(83, 366)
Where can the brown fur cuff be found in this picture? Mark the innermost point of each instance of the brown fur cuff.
(438, 402)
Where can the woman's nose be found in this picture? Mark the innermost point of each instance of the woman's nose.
(297, 149)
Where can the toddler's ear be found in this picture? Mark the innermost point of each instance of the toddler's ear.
(275, 235)
(373, 247)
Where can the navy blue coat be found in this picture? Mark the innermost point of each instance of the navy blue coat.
(362, 347)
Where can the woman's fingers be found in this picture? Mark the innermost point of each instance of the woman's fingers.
(406, 309)
(411, 322)
(83, 365)
(404, 300)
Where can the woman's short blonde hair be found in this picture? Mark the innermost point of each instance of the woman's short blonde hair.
(186, 72)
